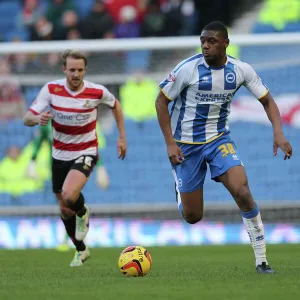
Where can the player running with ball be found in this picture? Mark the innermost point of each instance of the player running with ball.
(197, 131)
(73, 104)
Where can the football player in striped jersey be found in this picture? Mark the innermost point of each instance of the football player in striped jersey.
(197, 131)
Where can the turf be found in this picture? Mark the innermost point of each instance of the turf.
(206, 272)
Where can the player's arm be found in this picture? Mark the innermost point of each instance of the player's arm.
(35, 115)
(170, 88)
(31, 119)
(118, 115)
(273, 114)
(254, 84)
(174, 152)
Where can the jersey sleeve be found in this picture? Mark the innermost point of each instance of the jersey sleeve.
(41, 102)
(254, 83)
(108, 98)
(175, 82)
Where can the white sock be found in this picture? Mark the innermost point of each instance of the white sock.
(255, 228)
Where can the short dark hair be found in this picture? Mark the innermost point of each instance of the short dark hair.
(74, 54)
(217, 26)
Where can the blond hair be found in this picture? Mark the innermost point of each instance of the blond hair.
(73, 54)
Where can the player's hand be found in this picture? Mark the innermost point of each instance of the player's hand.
(175, 154)
(45, 117)
(122, 147)
(281, 142)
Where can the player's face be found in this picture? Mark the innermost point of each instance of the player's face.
(213, 46)
(74, 70)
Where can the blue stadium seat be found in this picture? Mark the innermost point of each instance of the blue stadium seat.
(137, 60)
(292, 27)
(263, 28)
(8, 12)
(6, 199)
(22, 35)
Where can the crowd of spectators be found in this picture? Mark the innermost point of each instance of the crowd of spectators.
(108, 19)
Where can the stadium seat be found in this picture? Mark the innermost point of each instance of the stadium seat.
(6, 199)
(292, 27)
(22, 35)
(263, 28)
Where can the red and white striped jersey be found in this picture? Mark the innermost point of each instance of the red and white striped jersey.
(74, 116)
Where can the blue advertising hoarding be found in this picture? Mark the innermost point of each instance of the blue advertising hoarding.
(23, 233)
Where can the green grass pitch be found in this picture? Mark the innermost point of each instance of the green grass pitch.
(198, 272)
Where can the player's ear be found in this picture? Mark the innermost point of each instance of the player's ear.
(226, 43)
(63, 67)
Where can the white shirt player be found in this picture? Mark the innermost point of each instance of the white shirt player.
(202, 96)
(74, 116)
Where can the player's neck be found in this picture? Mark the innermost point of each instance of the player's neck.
(218, 63)
(75, 89)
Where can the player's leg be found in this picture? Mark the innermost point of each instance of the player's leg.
(227, 167)
(68, 217)
(72, 196)
(235, 180)
(189, 178)
(60, 170)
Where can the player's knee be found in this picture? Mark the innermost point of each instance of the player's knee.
(243, 195)
(192, 218)
(68, 197)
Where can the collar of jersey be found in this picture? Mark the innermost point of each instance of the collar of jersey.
(216, 68)
(72, 92)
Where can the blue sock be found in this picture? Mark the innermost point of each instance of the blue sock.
(252, 213)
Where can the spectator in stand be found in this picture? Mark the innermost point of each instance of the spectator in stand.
(73, 34)
(57, 9)
(114, 7)
(174, 18)
(137, 96)
(99, 23)
(30, 14)
(11, 99)
(69, 21)
(13, 173)
(154, 20)
(190, 17)
(43, 30)
(128, 26)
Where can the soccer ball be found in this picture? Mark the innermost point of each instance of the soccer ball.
(135, 261)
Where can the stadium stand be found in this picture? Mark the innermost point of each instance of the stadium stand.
(145, 175)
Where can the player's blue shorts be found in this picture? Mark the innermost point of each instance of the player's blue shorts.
(220, 154)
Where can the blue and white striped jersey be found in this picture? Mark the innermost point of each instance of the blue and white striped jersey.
(202, 96)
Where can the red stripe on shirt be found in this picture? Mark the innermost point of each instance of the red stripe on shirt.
(34, 112)
(66, 109)
(74, 130)
(87, 93)
(58, 90)
(74, 147)
(91, 93)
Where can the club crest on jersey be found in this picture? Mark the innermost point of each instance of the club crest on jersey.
(230, 77)
(87, 104)
(171, 77)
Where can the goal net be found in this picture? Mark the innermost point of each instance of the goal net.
(142, 185)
